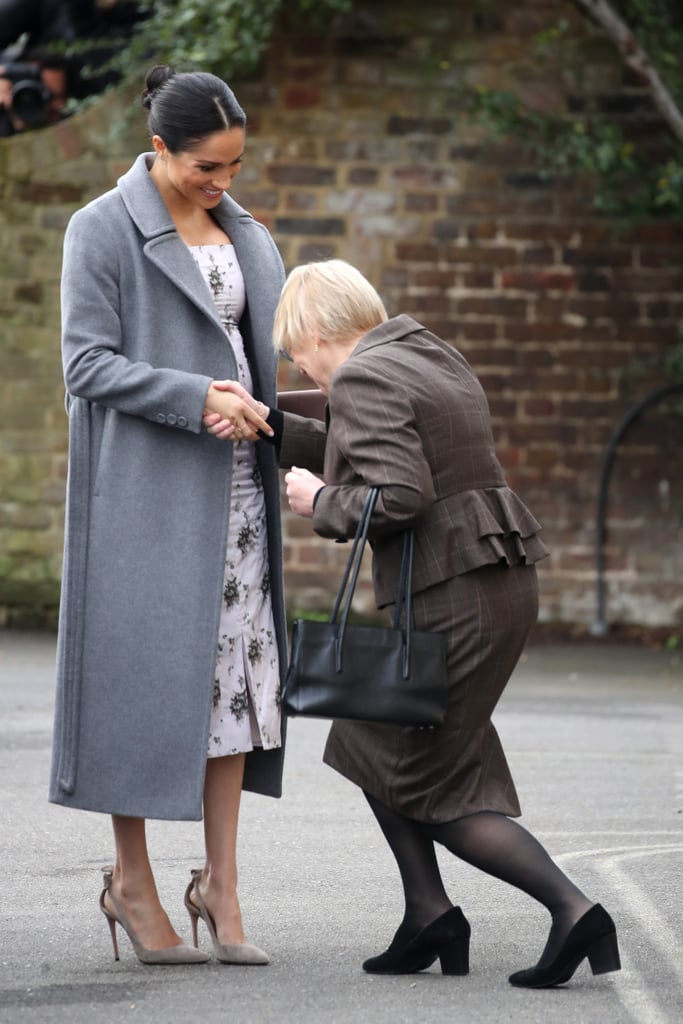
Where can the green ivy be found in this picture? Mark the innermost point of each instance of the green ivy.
(227, 37)
(629, 185)
(658, 25)
(632, 180)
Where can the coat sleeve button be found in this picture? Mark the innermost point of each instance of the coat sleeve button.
(160, 418)
(171, 419)
(182, 421)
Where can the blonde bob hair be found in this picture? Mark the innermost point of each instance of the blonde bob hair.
(330, 300)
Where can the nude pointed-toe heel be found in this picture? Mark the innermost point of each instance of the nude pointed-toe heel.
(243, 953)
(114, 913)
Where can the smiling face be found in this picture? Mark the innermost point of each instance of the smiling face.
(201, 175)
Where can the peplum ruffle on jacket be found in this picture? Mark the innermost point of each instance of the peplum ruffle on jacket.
(459, 533)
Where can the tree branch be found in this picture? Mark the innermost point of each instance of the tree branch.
(637, 59)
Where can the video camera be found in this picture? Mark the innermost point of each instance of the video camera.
(30, 97)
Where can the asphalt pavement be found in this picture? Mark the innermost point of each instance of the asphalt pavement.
(594, 736)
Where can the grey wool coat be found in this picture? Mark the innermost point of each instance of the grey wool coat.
(147, 502)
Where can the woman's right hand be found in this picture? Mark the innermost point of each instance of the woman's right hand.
(302, 487)
(231, 413)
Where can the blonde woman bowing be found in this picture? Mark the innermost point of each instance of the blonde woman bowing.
(407, 414)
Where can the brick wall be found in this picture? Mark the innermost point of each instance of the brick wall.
(358, 148)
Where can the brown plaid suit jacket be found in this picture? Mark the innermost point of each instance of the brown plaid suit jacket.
(407, 413)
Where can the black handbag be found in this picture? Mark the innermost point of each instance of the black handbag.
(395, 675)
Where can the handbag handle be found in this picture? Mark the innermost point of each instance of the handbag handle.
(355, 558)
(348, 584)
(404, 597)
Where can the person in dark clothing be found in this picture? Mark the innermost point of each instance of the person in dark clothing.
(33, 92)
(38, 35)
(43, 21)
(406, 413)
(63, 21)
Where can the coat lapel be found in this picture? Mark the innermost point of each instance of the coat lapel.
(168, 252)
(164, 247)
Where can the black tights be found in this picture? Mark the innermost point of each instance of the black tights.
(489, 841)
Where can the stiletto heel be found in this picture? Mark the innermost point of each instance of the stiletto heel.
(594, 937)
(447, 939)
(228, 953)
(111, 922)
(194, 921)
(179, 954)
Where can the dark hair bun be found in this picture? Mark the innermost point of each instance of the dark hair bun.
(184, 109)
(155, 79)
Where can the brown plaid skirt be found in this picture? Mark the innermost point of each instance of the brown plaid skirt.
(458, 768)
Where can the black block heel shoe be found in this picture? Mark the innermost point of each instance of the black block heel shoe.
(446, 939)
(593, 936)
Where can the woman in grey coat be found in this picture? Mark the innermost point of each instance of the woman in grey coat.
(407, 414)
(172, 627)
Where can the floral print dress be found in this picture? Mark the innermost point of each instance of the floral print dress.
(246, 694)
